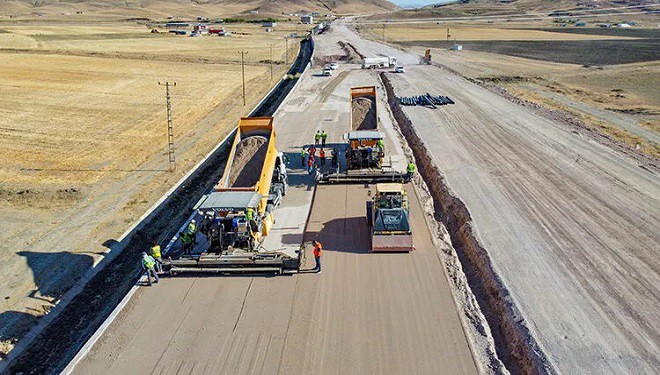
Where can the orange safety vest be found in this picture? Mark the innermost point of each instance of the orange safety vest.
(317, 250)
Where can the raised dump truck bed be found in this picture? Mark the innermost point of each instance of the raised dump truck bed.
(364, 113)
(230, 223)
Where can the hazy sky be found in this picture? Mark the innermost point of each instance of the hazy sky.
(406, 3)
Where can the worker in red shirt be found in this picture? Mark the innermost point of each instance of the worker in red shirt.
(318, 249)
(322, 157)
(310, 163)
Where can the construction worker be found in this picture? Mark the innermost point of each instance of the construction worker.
(312, 151)
(318, 249)
(381, 144)
(303, 156)
(322, 157)
(411, 170)
(310, 164)
(317, 137)
(335, 158)
(324, 137)
(186, 242)
(155, 253)
(249, 214)
(148, 265)
(192, 231)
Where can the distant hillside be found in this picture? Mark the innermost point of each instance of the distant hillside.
(506, 7)
(190, 8)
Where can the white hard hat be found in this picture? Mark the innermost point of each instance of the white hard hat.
(192, 221)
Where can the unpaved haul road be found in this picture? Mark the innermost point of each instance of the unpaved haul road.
(364, 314)
(571, 227)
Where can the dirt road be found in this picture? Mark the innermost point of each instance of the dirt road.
(366, 313)
(570, 227)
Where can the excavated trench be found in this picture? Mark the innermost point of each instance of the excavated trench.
(514, 344)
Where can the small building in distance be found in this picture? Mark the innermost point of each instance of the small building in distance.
(177, 25)
(254, 12)
(200, 28)
(307, 19)
(269, 24)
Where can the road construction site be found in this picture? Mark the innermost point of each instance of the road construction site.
(365, 313)
(536, 249)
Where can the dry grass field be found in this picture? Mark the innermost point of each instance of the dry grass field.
(83, 139)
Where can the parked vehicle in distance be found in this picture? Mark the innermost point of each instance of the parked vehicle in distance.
(334, 65)
(379, 62)
(327, 71)
(399, 69)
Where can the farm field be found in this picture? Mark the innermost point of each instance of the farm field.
(83, 139)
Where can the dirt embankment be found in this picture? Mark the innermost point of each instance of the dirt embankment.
(350, 56)
(363, 113)
(515, 346)
(248, 162)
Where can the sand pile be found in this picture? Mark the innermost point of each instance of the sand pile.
(364, 113)
(248, 162)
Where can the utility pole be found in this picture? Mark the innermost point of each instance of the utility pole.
(286, 41)
(243, 53)
(271, 61)
(384, 33)
(170, 130)
(448, 36)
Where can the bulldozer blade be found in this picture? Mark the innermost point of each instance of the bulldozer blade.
(392, 243)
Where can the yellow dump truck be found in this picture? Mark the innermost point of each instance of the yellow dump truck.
(364, 150)
(232, 220)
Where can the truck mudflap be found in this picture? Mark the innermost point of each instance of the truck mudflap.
(244, 263)
(392, 243)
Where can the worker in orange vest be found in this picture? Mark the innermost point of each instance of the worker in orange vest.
(322, 157)
(318, 249)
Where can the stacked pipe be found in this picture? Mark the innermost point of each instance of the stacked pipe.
(427, 100)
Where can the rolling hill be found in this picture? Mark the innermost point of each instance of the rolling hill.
(508, 7)
(189, 8)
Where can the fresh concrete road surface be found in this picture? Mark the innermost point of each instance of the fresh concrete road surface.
(572, 228)
(364, 314)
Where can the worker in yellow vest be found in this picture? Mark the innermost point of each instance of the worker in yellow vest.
(148, 265)
(411, 170)
(155, 253)
(317, 137)
(324, 137)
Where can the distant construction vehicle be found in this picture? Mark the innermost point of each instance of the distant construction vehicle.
(379, 62)
(388, 217)
(426, 59)
(236, 216)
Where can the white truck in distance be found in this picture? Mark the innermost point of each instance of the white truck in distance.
(379, 62)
